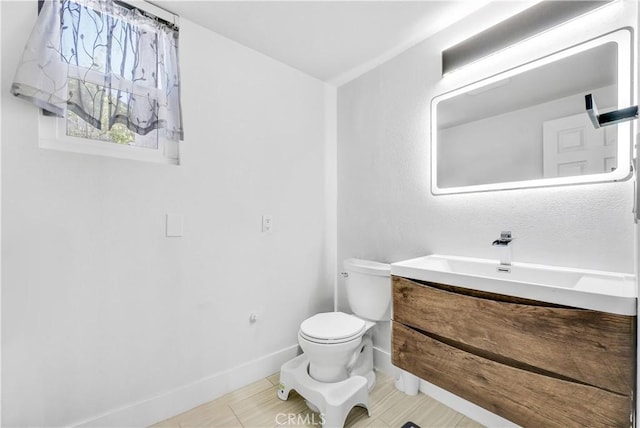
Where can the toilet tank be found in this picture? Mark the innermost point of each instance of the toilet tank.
(368, 287)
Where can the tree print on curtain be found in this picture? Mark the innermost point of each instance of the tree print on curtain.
(108, 65)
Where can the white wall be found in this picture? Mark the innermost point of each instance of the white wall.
(386, 211)
(100, 310)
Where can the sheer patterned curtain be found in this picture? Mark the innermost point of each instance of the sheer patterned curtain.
(105, 63)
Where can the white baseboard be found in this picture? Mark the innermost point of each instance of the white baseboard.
(382, 363)
(161, 407)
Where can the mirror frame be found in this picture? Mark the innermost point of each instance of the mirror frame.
(622, 38)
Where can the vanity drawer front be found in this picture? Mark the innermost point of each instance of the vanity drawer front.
(580, 345)
(527, 398)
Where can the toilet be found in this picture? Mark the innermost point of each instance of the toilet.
(330, 340)
(335, 371)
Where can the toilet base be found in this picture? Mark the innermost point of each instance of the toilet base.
(333, 400)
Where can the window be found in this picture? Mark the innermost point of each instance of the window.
(73, 134)
(113, 81)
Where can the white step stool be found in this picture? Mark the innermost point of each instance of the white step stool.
(334, 400)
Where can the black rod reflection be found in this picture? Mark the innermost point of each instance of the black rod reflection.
(610, 118)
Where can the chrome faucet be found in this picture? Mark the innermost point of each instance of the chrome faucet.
(504, 244)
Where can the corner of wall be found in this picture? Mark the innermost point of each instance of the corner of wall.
(331, 185)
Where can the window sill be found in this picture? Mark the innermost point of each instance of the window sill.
(52, 138)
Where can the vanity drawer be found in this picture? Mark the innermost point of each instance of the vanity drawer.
(528, 398)
(577, 345)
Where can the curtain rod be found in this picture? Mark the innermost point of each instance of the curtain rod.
(136, 4)
(173, 25)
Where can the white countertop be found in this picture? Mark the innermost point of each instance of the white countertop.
(603, 291)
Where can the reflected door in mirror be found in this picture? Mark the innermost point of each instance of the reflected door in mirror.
(572, 146)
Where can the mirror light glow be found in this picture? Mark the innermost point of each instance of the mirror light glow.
(622, 40)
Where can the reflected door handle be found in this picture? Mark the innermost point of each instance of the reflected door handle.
(610, 118)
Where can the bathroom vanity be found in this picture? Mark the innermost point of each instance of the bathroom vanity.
(535, 361)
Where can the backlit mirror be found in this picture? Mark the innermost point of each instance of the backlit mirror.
(528, 126)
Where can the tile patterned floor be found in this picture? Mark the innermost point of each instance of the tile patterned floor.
(257, 405)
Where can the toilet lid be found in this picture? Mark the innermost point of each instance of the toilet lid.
(332, 326)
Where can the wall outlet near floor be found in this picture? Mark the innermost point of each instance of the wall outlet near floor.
(267, 223)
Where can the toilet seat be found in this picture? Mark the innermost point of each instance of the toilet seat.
(332, 327)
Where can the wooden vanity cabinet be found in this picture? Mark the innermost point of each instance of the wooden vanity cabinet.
(534, 363)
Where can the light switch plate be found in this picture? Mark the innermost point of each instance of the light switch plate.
(175, 225)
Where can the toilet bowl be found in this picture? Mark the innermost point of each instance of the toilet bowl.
(334, 341)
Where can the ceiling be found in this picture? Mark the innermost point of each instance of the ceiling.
(333, 41)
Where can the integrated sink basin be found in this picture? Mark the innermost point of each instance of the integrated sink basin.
(588, 289)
